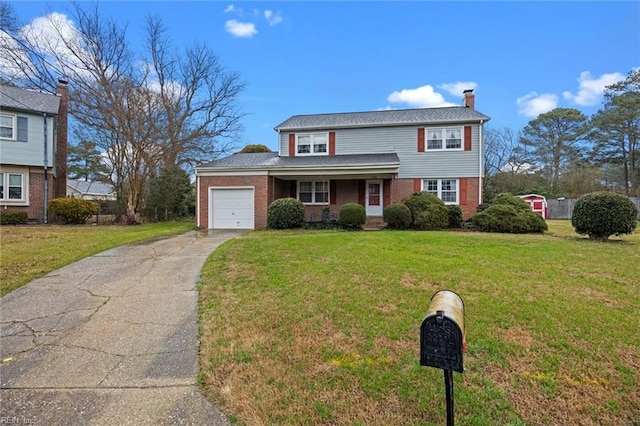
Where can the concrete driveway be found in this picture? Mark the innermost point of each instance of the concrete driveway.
(109, 340)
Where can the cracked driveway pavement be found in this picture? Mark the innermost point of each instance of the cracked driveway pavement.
(109, 340)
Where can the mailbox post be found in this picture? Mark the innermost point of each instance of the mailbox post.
(442, 340)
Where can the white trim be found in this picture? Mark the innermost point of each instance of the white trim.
(14, 127)
(24, 201)
(374, 210)
(313, 192)
(311, 144)
(198, 202)
(231, 172)
(444, 138)
(439, 194)
(210, 203)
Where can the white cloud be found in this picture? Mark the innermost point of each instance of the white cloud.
(532, 104)
(457, 88)
(420, 97)
(230, 8)
(272, 18)
(240, 29)
(590, 89)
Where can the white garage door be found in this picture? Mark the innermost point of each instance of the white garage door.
(231, 208)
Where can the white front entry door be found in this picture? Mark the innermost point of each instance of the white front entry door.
(374, 198)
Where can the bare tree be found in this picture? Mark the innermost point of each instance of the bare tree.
(178, 108)
(501, 150)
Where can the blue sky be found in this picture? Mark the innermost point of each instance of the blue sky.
(298, 57)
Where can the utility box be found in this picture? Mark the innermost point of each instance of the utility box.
(442, 333)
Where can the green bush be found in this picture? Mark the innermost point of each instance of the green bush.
(602, 214)
(73, 211)
(397, 216)
(455, 216)
(285, 213)
(511, 200)
(352, 216)
(508, 219)
(422, 202)
(13, 218)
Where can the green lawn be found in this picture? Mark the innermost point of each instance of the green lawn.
(322, 327)
(29, 252)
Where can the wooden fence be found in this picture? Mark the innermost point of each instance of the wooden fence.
(563, 208)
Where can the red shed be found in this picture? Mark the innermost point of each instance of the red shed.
(538, 203)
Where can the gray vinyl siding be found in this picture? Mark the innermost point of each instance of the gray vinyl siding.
(404, 142)
(31, 152)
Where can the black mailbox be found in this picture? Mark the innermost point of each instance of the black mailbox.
(442, 334)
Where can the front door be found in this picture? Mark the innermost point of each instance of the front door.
(374, 198)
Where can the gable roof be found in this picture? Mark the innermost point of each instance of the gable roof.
(271, 161)
(392, 117)
(28, 100)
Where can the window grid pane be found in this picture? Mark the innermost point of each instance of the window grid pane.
(454, 138)
(434, 139)
(15, 187)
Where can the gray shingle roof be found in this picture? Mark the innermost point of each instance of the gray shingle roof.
(91, 187)
(382, 118)
(273, 161)
(28, 100)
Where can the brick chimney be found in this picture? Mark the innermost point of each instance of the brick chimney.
(62, 143)
(469, 99)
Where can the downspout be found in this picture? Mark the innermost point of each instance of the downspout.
(46, 162)
(480, 163)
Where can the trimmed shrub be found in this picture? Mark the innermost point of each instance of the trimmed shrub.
(73, 211)
(602, 214)
(422, 202)
(455, 216)
(397, 216)
(13, 218)
(508, 219)
(511, 200)
(285, 213)
(352, 216)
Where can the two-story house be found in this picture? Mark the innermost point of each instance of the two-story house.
(372, 158)
(33, 149)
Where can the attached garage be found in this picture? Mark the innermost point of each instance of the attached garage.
(231, 208)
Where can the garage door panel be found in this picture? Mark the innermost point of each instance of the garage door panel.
(232, 208)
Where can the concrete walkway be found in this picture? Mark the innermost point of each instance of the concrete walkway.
(109, 340)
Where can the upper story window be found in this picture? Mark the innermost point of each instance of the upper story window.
(311, 144)
(11, 186)
(445, 189)
(444, 138)
(7, 126)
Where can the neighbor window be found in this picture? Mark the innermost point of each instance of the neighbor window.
(311, 144)
(310, 192)
(447, 138)
(11, 186)
(7, 126)
(445, 189)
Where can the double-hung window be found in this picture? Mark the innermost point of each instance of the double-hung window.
(311, 144)
(11, 186)
(313, 192)
(444, 138)
(7, 126)
(445, 189)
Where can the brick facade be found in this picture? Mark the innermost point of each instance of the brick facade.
(261, 190)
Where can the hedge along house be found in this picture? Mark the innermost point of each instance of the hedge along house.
(33, 149)
(372, 158)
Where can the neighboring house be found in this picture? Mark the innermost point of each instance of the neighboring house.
(327, 160)
(90, 190)
(33, 149)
